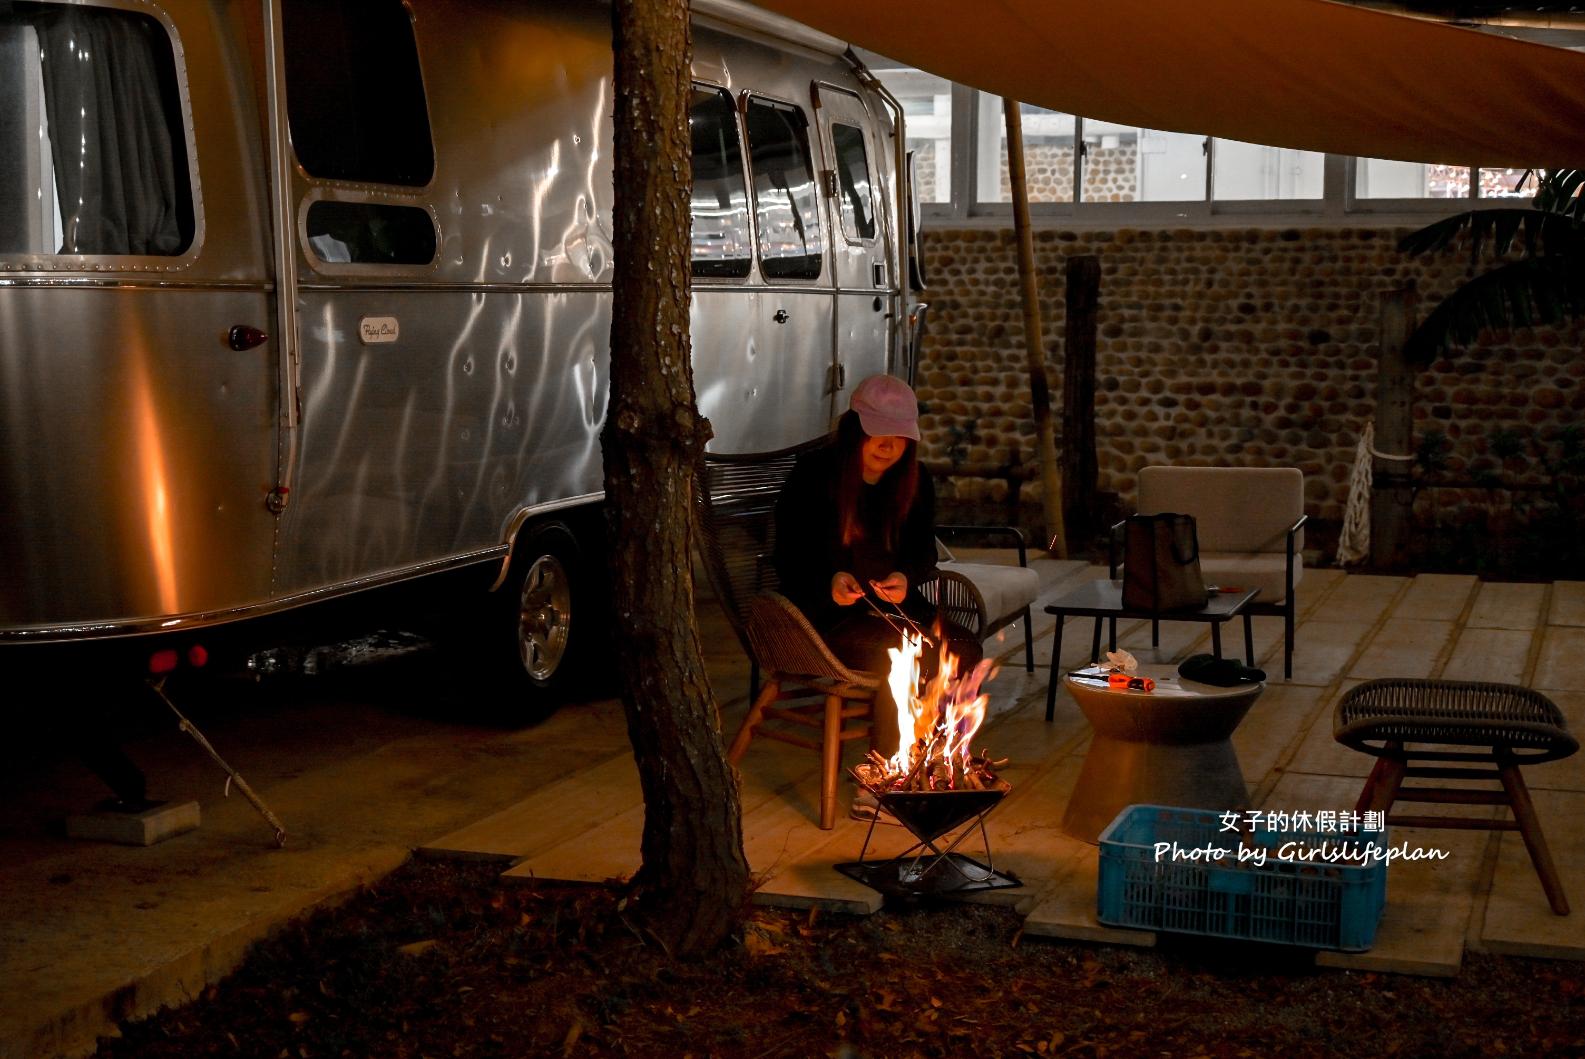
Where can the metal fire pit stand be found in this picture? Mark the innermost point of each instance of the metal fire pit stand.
(926, 869)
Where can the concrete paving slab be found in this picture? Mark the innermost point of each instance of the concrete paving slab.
(1272, 728)
(1519, 922)
(1429, 902)
(1404, 647)
(1436, 597)
(1569, 773)
(1568, 603)
(1322, 650)
(1507, 605)
(1360, 599)
(1319, 754)
(1067, 910)
(1500, 655)
(1561, 664)
(552, 816)
(605, 853)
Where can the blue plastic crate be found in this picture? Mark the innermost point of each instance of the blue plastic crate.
(1315, 903)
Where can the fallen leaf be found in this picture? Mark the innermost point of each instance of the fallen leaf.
(297, 1018)
(416, 948)
(573, 1033)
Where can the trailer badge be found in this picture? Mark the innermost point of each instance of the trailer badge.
(376, 329)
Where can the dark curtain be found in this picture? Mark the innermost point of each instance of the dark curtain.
(116, 167)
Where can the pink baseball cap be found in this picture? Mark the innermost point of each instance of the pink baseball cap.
(886, 407)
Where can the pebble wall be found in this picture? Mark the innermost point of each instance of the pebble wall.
(1251, 347)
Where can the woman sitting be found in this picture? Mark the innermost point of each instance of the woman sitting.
(855, 539)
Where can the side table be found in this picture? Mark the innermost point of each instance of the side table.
(1171, 746)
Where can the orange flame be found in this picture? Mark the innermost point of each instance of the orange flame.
(945, 712)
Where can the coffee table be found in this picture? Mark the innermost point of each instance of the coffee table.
(1171, 746)
(1104, 599)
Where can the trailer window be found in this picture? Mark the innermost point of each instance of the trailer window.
(786, 210)
(354, 92)
(856, 202)
(93, 152)
(370, 233)
(722, 244)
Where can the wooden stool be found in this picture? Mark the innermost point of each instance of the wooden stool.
(1518, 726)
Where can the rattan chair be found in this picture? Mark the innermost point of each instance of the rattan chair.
(1399, 720)
(808, 697)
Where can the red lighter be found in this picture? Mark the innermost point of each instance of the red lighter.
(1124, 682)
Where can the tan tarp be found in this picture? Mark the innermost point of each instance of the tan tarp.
(1308, 74)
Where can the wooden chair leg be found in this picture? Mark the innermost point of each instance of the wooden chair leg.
(830, 762)
(1534, 840)
(1381, 789)
(756, 714)
(1155, 633)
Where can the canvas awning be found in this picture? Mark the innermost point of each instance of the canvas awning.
(1307, 74)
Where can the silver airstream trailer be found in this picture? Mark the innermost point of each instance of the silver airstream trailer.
(303, 297)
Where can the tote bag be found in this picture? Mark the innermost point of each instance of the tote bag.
(1161, 563)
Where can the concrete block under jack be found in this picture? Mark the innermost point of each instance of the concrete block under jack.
(156, 823)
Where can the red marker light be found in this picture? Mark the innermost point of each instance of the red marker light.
(162, 661)
(197, 656)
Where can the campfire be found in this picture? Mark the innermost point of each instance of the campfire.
(936, 722)
(935, 785)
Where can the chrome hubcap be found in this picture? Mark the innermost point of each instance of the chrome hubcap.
(544, 617)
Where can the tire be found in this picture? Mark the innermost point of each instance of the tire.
(549, 616)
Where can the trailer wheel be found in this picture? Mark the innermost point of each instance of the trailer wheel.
(544, 617)
(552, 613)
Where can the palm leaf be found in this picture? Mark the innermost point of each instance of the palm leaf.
(1558, 193)
(1498, 227)
(1535, 290)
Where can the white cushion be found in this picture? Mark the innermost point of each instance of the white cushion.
(1006, 590)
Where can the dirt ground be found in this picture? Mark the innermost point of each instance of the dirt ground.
(446, 959)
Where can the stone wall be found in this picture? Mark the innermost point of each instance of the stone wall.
(1220, 346)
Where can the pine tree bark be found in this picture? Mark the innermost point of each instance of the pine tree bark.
(692, 887)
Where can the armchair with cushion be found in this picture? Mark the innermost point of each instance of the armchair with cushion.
(1250, 522)
(986, 597)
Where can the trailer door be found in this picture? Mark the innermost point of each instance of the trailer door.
(866, 295)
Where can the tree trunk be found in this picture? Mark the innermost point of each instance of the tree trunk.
(691, 889)
(1034, 344)
(1080, 468)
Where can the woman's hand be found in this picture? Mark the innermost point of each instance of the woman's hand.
(893, 588)
(845, 589)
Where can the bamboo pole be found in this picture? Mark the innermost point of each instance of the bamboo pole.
(1034, 345)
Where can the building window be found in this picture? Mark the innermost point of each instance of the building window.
(722, 244)
(927, 111)
(93, 149)
(1048, 152)
(1508, 183)
(354, 92)
(1254, 172)
(1378, 178)
(786, 208)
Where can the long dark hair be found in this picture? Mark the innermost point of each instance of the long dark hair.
(898, 486)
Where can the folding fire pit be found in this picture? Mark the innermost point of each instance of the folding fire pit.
(926, 869)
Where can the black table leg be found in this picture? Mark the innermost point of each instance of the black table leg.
(1249, 641)
(1056, 671)
(1095, 642)
(1216, 638)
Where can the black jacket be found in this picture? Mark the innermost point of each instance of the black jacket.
(809, 549)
